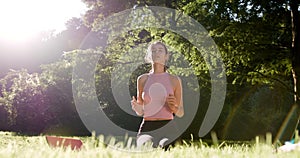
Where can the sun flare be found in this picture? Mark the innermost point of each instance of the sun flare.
(21, 20)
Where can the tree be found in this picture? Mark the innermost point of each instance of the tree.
(253, 37)
(258, 35)
(295, 51)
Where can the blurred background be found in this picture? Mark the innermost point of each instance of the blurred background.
(258, 41)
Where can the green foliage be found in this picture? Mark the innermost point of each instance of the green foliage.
(253, 38)
(254, 45)
(40, 103)
(16, 83)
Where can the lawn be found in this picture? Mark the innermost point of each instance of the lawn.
(12, 145)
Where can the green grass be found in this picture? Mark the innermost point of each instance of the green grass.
(36, 147)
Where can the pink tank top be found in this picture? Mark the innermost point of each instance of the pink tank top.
(156, 89)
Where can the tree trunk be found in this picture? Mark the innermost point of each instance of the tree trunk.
(291, 121)
(295, 46)
(296, 53)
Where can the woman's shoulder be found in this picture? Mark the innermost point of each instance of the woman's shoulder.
(143, 77)
(174, 79)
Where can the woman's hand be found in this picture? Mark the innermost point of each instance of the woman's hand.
(172, 103)
(138, 108)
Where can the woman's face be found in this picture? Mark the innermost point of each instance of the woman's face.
(159, 54)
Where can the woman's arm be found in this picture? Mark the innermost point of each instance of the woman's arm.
(178, 96)
(175, 101)
(137, 104)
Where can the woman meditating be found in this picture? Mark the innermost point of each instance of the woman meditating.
(159, 98)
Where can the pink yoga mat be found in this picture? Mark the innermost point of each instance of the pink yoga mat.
(55, 141)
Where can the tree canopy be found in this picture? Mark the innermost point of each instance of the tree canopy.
(258, 42)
